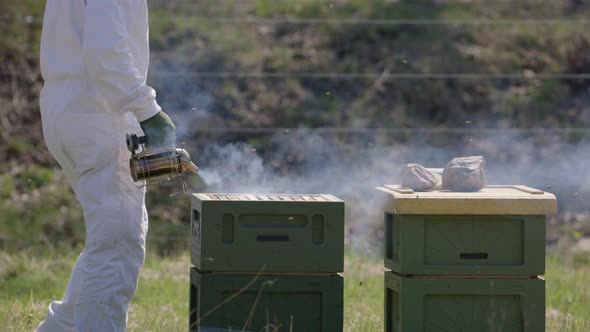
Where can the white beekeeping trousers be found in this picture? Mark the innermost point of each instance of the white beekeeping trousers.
(94, 59)
(89, 144)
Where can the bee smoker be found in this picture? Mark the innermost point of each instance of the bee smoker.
(149, 164)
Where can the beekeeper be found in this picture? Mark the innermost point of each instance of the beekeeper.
(94, 59)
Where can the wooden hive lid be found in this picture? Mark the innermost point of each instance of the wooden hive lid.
(266, 197)
(492, 200)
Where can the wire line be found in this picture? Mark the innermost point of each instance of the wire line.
(342, 130)
(368, 21)
(409, 76)
(30, 19)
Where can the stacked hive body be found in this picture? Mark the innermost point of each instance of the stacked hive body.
(465, 261)
(266, 261)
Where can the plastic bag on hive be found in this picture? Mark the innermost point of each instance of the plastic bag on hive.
(418, 178)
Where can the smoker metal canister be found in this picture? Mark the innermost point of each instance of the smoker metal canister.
(171, 162)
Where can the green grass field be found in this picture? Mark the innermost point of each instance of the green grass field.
(29, 280)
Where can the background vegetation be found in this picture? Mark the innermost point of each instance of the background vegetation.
(357, 75)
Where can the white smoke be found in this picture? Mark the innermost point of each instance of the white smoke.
(303, 161)
(351, 165)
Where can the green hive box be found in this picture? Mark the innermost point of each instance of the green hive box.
(497, 231)
(311, 303)
(273, 233)
(482, 305)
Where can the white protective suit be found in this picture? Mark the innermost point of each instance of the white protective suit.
(94, 59)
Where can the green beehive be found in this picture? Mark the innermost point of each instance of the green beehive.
(273, 233)
(451, 304)
(499, 230)
(233, 302)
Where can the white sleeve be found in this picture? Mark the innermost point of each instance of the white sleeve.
(109, 62)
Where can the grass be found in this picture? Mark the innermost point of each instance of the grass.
(568, 296)
(29, 280)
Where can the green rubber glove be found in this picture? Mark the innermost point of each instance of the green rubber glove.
(159, 130)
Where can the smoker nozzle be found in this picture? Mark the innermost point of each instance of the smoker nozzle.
(186, 162)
